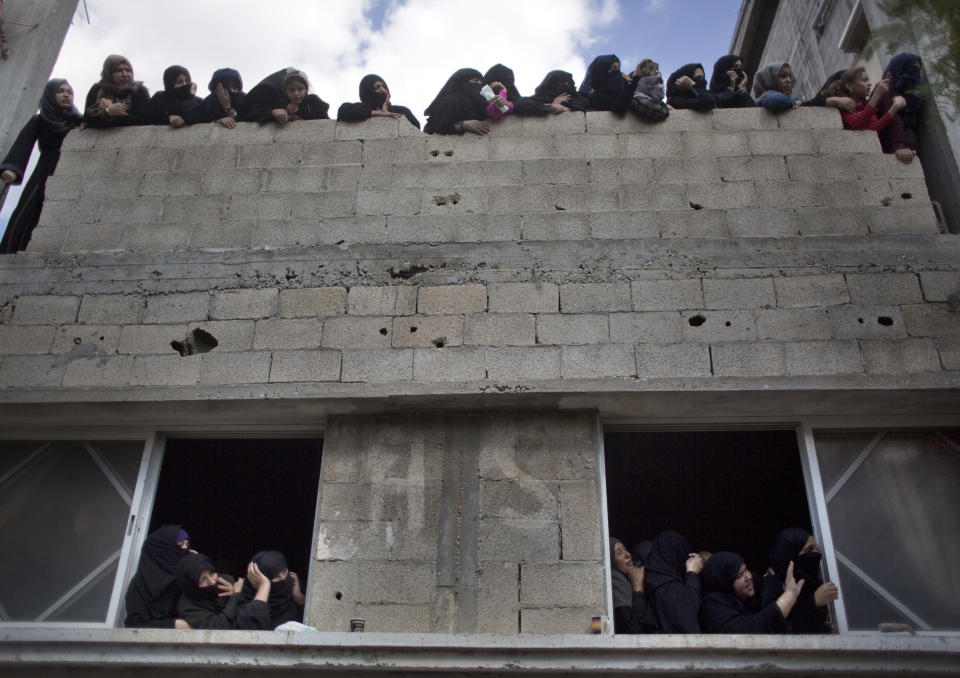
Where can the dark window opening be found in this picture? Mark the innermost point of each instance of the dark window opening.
(723, 490)
(239, 496)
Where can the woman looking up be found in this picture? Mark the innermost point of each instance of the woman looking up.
(374, 102)
(458, 107)
(117, 99)
(631, 614)
(47, 129)
(772, 87)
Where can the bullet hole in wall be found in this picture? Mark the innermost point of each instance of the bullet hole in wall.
(197, 341)
(697, 320)
(885, 320)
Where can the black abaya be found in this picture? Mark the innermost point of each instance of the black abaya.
(673, 592)
(280, 606)
(696, 98)
(151, 598)
(459, 100)
(721, 611)
(806, 616)
(556, 83)
(370, 101)
(269, 95)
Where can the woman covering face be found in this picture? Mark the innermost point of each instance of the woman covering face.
(174, 106)
(374, 102)
(458, 107)
(605, 85)
(687, 88)
(118, 99)
(225, 98)
(207, 600)
(270, 594)
(729, 83)
(558, 89)
(152, 595)
(672, 582)
(796, 545)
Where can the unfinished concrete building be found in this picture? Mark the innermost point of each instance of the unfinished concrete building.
(439, 371)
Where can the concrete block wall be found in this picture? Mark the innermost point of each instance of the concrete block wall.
(459, 524)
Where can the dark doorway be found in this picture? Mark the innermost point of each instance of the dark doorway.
(723, 490)
(238, 496)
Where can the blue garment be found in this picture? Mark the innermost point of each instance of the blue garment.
(777, 101)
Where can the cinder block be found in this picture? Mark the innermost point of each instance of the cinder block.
(363, 300)
(247, 367)
(593, 297)
(283, 333)
(589, 362)
(186, 209)
(831, 220)
(503, 329)
(272, 206)
(931, 320)
(377, 365)
(679, 170)
(713, 144)
(793, 324)
(866, 322)
(454, 148)
(86, 340)
(305, 366)
(632, 328)
(28, 371)
(373, 128)
(45, 309)
(639, 172)
(522, 363)
(813, 168)
(347, 230)
(739, 293)
(752, 168)
(565, 329)
(338, 152)
(718, 325)
(305, 130)
(549, 171)
(162, 183)
(243, 304)
(673, 360)
(940, 285)
(421, 331)
(846, 141)
(811, 290)
(59, 213)
(419, 174)
(519, 540)
(225, 234)
(587, 146)
(902, 356)
(452, 227)
(557, 446)
(101, 371)
(632, 198)
(748, 359)
(46, 240)
(555, 226)
(823, 357)
(580, 521)
(807, 117)
(111, 309)
(693, 223)
(233, 180)
(269, 155)
(667, 295)
(519, 499)
(560, 620)
(663, 145)
(883, 166)
(394, 201)
(783, 194)
(85, 162)
(721, 195)
(449, 364)
(312, 301)
(143, 210)
(393, 583)
(300, 179)
(177, 307)
(150, 338)
(781, 142)
(949, 348)
(884, 288)
(570, 122)
(741, 119)
(498, 593)
(449, 200)
(409, 149)
(451, 299)
(231, 335)
(767, 222)
(165, 370)
(65, 186)
(286, 233)
(625, 225)
(519, 148)
(918, 217)
(551, 585)
(343, 178)
(155, 237)
(243, 134)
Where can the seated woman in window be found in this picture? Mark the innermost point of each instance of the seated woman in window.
(117, 99)
(458, 107)
(283, 97)
(151, 598)
(270, 595)
(728, 587)
(606, 87)
(557, 93)
(207, 599)
(729, 83)
(225, 98)
(687, 88)
(855, 84)
(647, 100)
(47, 129)
(374, 102)
(798, 546)
(631, 613)
(672, 582)
(772, 87)
(175, 104)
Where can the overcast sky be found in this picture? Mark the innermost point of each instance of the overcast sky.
(413, 44)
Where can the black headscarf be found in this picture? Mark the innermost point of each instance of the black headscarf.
(600, 78)
(228, 77)
(906, 79)
(720, 81)
(641, 552)
(806, 616)
(560, 82)
(720, 572)
(58, 119)
(674, 596)
(111, 64)
(668, 560)
(171, 74)
(622, 588)
(503, 75)
(686, 70)
(153, 591)
(188, 576)
(282, 607)
(368, 95)
(722, 611)
(467, 93)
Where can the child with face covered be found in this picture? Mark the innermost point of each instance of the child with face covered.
(270, 595)
(647, 100)
(283, 97)
(374, 102)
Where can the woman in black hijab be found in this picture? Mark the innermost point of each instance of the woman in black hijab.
(374, 102)
(117, 99)
(558, 93)
(728, 586)
(687, 88)
(47, 129)
(174, 105)
(521, 105)
(672, 581)
(283, 97)
(225, 98)
(809, 615)
(606, 87)
(458, 107)
(729, 83)
(151, 598)
(631, 613)
(207, 600)
(270, 595)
